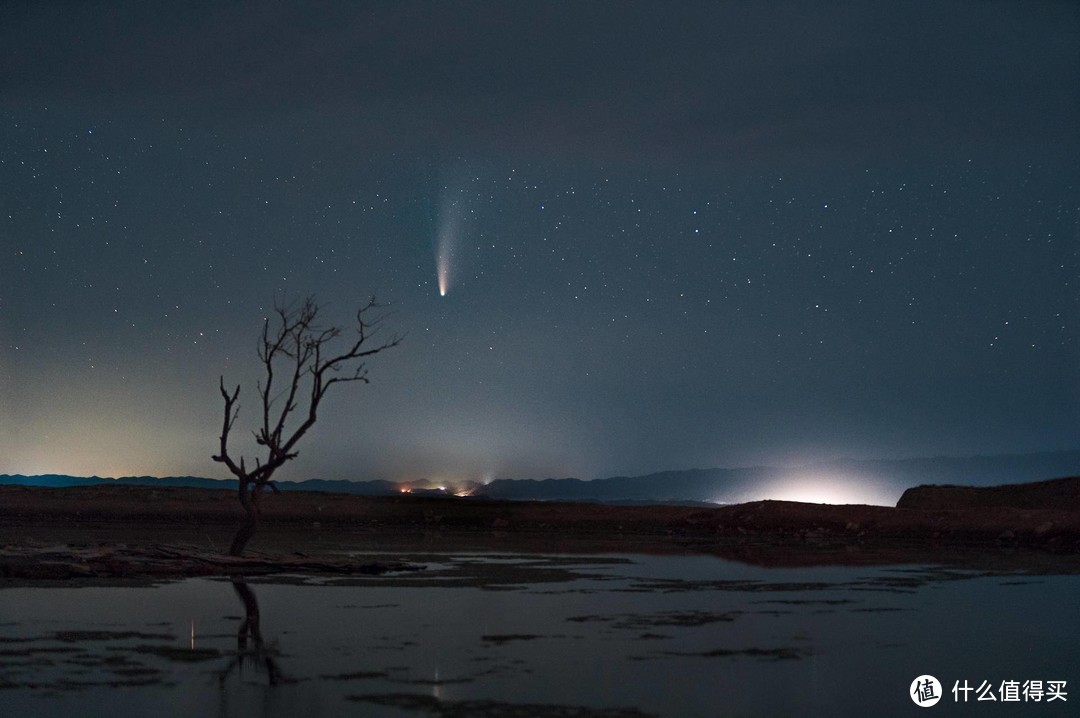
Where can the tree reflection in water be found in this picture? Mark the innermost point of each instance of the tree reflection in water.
(250, 646)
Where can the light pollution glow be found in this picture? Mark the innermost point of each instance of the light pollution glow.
(830, 489)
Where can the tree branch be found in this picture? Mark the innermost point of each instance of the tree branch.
(232, 410)
(297, 336)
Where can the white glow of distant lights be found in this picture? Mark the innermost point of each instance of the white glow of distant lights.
(826, 489)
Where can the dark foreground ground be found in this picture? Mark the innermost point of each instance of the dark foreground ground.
(103, 531)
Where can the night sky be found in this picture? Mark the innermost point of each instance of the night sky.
(673, 235)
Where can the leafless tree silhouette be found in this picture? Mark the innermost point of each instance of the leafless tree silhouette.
(294, 341)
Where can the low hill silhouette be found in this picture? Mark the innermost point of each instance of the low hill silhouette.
(1058, 494)
(880, 482)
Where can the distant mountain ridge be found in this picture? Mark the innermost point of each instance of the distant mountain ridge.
(840, 481)
(56, 481)
(883, 480)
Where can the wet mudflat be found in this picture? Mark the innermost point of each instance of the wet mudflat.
(488, 634)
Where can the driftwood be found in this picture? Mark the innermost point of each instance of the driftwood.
(122, 561)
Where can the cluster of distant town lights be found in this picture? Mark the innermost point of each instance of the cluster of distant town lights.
(813, 489)
(462, 494)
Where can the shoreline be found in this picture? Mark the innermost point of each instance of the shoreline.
(298, 526)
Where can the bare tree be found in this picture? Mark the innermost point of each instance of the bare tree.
(295, 343)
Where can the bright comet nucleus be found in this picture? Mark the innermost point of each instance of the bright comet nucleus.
(443, 270)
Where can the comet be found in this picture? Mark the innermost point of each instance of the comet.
(446, 241)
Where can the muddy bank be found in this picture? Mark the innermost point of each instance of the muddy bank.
(322, 526)
(168, 561)
(791, 522)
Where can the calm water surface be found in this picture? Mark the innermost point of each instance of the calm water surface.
(531, 635)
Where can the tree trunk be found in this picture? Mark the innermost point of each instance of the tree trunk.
(244, 534)
(250, 524)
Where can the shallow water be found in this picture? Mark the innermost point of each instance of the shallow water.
(531, 635)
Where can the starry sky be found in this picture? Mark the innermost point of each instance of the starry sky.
(670, 234)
